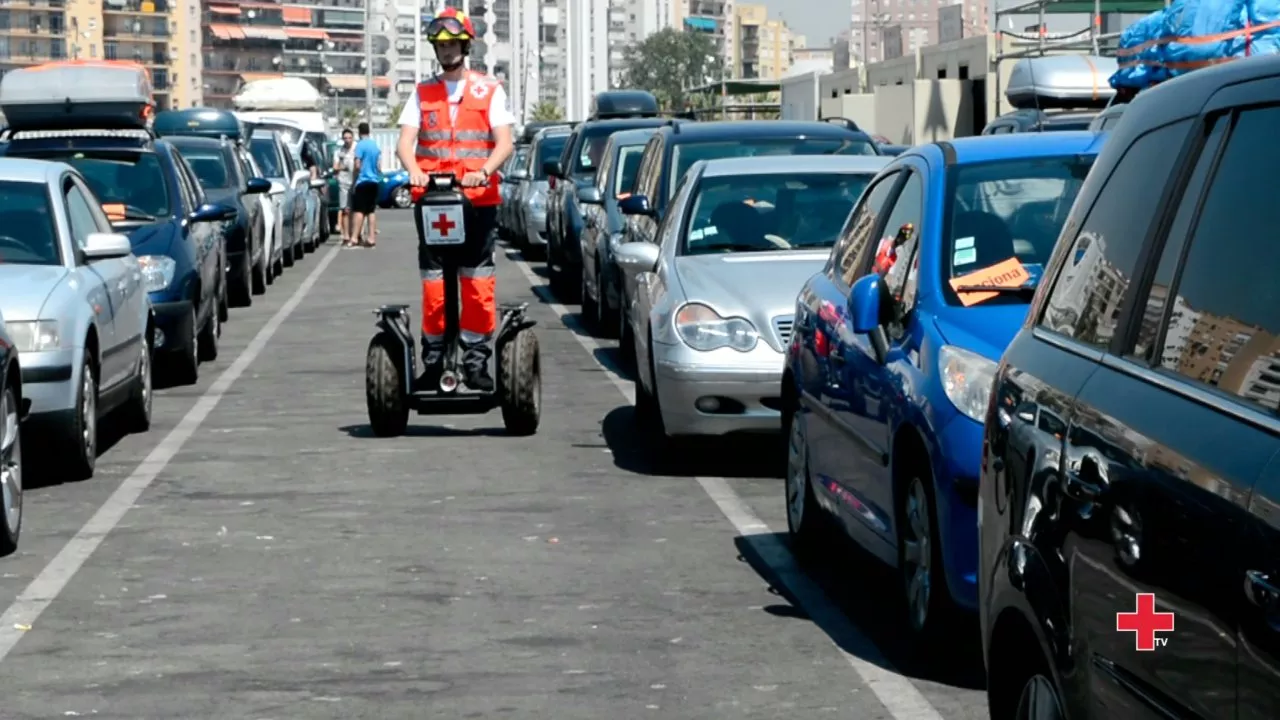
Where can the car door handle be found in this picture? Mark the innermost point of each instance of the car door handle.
(1088, 482)
(1261, 591)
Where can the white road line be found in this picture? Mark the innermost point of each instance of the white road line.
(51, 581)
(895, 692)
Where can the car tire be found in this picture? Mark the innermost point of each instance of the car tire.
(208, 339)
(299, 249)
(261, 278)
(804, 516)
(80, 437)
(240, 293)
(1038, 700)
(604, 326)
(186, 364)
(224, 306)
(589, 313)
(286, 258)
(138, 409)
(927, 604)
(402, 197)
(11, 469)
(626, 339)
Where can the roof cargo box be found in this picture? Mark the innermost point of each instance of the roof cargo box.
(1061, 82)
(286, 93)
(531, 129)
(78, 95)
(202, 122)
(623, 104)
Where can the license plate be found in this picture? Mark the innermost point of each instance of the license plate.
(443, 225)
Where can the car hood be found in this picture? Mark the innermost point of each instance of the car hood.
(151, 239)
(759, 286)
(986, 331)
(26, 288)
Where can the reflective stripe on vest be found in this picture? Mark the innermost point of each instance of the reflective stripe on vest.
(458, 144)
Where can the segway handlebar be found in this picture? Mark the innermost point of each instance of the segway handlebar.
(438, 182)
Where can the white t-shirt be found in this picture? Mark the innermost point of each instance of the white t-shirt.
(499, 113)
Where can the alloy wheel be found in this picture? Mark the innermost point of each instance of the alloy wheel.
(917, 554)
(797, 475)
(10, 461)
(1039, 700)
(89, 414)
(144, 366)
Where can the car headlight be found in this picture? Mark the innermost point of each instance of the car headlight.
(702, 328)
(538, 202)
(157, 271)
(967, 379)
(34, 335)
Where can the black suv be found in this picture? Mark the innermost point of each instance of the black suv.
(1129, 508)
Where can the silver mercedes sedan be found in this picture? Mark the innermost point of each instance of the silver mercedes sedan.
(711, 306)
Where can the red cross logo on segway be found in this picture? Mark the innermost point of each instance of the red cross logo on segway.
(444, 225)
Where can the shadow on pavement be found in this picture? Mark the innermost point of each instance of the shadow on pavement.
(40, 455)
(427, 429)
(867, 593)
(754, 456)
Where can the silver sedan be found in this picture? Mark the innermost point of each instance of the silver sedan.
(711, 306)
(74, 302)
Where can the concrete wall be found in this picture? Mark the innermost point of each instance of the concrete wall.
(860, 108)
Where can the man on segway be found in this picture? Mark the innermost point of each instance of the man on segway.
(458, 123)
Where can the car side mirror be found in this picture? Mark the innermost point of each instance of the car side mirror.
(552, 168)
(256, 186)
(637, 257)
(213, 213)
(865, 301)
(590, 195)
(106, 246)
(301, 176)
(520, 175)
(277, 188)
(635, 205)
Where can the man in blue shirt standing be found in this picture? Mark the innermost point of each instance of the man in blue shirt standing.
(364, 195)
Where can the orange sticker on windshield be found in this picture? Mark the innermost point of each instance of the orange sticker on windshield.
(115, 211)
(1007, 274)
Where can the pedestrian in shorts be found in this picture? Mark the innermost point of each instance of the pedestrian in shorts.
(344, 164)
(364, 195)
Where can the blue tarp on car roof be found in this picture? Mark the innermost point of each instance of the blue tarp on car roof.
(1191, 34)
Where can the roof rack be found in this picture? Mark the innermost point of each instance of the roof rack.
(123, 133)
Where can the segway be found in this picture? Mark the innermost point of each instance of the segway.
(392, 384)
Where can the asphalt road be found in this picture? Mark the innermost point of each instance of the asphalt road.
(258, 554)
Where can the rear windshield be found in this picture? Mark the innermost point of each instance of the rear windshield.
(210, 167)
(688, 153)
(549, 149)
(121, 177)
(267, 156)
(1008, 212)
(27, 235)
(592, 151)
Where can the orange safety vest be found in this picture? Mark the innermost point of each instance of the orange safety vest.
(462, 144)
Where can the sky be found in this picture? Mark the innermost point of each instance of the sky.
(817, 20)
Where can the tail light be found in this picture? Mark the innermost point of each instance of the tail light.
(551, 182)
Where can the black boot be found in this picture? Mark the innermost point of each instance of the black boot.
(432, 365)
(475, 365)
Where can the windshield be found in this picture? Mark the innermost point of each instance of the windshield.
(291, 134)
(628, 167)
(686, 154)
(268, 158)
(122, 177)
(1008, 214)
(751, 213)
(592, 152)
(27, 234)
(210, 167)
(1062, 125)
(518, 158)
(549, 149)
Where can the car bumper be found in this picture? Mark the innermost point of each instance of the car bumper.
(49, 381)
(957, 464)
(173, 325)
(718, 394)
(535, 228)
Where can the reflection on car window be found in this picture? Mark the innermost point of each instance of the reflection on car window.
(687, 153)
(751, 213)
(628, 168)
(592, 152)
(132, 179)
(1010, 209)
(27, 234)
(549, 149)
(210, 168)
(1224, 330)
(265, 154)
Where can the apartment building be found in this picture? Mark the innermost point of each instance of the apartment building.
(714, 18)
(763, 47)
(153, 33)
(916, 20)
(323, 43)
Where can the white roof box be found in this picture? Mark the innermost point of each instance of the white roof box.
(78, 95)
(286, 93)
(1061, 82)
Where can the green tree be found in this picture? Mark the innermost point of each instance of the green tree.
(394, 119)
(670, 62)
(546, 110)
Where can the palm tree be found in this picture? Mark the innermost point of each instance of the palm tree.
(546, 110)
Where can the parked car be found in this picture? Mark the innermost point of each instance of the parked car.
(276, 162)
(510, 188)
(1108, 118)
(572, 171)
(1130, 561)
(220, 174)
(896, 342)
(13, 413)
(535, 183)
(1032, 121)
(712, 299)
(602, 226)
(394, 190)
(314, 218)
(674, 149)
(272, 203)
(332, 191)
(75, 304)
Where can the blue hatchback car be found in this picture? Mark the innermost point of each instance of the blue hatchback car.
(895, 346)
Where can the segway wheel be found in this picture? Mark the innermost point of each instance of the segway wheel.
(384, 386)
(520, 374)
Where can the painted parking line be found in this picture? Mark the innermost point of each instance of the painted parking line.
(896, 693)
(51, 581)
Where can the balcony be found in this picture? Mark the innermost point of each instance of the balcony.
(33, 27)
(237, 63)
(35, 4)
(135, 28)
(142, 56)
(706, 8)
(29, 54)
(135, 7)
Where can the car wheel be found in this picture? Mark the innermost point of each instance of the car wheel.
(402, 197)
(1039, 700)
(208, 339)
(187, 363)
(920, 561)
(241, 292)
(286, 258)
(81, 436)
(626, 340)
(603, 327)
(260, 277)
(224, 307)
(10, 473)
(803, 514)
(299, 249)
(139, 408)
(590, 311)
